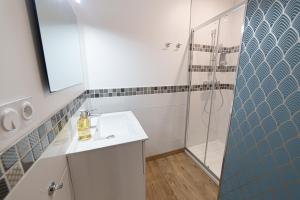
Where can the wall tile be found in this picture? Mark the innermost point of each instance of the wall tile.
(14, 175)
(42, 131)
(45, 142)
(9, 158)
(27, 161)
(3, 188)
(23, 146)
(272, 55)
(33, 138)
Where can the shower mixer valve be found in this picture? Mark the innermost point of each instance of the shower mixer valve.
(211, 82)
(178, 45)
(168, 44)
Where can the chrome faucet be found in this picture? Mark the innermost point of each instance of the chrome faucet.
(89, 113)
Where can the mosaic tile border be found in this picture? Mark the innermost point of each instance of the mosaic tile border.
(116, 92)
(217, 86)
(15, 161)
(209, 48)
(113, 92)
(233, 49)
(209, 68)
(202, 47)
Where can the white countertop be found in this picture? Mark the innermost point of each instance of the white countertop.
(124, 127)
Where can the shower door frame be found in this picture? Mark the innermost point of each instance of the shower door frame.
(218, 18)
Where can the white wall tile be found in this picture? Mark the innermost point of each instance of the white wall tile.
(199, 116)
(161, 115)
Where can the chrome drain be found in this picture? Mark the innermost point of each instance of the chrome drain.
(110, 137)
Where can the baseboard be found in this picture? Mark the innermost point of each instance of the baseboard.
(169, 153)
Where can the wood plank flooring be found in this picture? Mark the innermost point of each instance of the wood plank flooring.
(178, 177)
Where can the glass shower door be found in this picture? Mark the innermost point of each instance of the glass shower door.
(214, 59)
(202, 76)
(229, 38)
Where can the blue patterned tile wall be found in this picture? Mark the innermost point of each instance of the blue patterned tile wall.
(262, 159)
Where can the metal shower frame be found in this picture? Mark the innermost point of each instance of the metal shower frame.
(191, 43)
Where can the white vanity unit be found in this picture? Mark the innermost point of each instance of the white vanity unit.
(51, 167)
(111, 165)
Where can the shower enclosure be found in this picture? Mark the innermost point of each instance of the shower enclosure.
(214, 54)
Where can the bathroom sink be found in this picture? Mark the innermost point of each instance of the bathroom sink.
(109, 130)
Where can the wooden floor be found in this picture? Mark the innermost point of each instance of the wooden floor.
(178, 177)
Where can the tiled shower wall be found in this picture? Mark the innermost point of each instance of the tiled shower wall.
(262, 159)
(202, 121)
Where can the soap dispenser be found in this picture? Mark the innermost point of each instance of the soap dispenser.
(83, 126)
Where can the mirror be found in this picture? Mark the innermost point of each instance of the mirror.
(60, 43)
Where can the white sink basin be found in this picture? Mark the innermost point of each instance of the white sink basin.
(111, 129)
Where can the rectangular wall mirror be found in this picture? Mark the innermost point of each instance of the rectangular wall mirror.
(60, 43)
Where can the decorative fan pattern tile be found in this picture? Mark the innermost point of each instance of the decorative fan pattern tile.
(262, 159)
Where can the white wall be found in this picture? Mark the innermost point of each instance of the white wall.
(20, 72)
(124, 39)
(203, 10)
(124, 43)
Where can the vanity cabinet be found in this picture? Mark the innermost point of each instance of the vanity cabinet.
(108, 166)
(111, 173)
(66, 192)
(36, 181)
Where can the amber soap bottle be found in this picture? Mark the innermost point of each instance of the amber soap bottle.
(83, 126)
